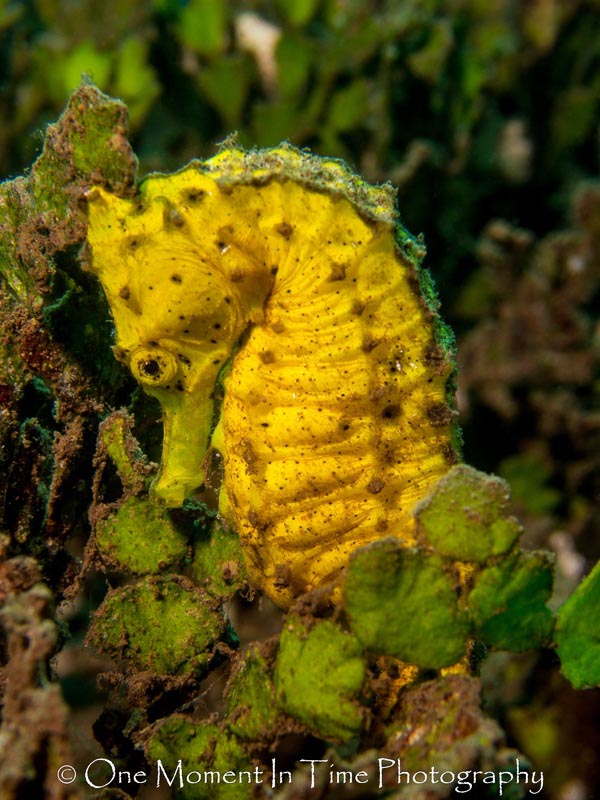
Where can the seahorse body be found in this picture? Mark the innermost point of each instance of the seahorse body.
(335, 418)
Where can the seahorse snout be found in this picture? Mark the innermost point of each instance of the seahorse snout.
(187, 421)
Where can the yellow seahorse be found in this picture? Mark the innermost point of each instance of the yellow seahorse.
(289, 268)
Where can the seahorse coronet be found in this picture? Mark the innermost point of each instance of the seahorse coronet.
(337, 414)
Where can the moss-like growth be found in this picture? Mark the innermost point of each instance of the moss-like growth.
(96, 145)
(465, 517)
(250, 708)
(578, 633)
(402, 603)
(200, 761)
(127, 623)
(140, 538)
(42, 213)
(56, 369)
(508, 603)
(318, 675)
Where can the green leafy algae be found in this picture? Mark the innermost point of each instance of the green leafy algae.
(201, 761)
(318, 675)
(127, 623)
(508, 603)
(578, 633)
(464, 518)
(226, 84)
(299, 12)
(218, 563)
(528, 475)
(93, 144)
(293, 55)
(140, 538)
(42, 213)
(135, 79)
(250, 708)
(202, 26)
(402, 603)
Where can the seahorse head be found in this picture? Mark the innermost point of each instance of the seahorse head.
(177, 317)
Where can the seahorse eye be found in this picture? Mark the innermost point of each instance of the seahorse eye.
(153, 366)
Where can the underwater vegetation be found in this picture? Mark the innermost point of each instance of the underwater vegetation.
(446, 632)
(379, 623)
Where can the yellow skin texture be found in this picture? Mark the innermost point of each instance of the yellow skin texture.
(333, 423)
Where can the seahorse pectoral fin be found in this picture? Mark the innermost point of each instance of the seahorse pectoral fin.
(187, 421)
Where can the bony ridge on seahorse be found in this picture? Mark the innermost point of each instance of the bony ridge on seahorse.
(337, 416)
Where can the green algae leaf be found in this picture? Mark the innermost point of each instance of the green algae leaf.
(13, 272)
(429, 62)
(202, 26)
(64, 69)
(508, 603)
(299, 12)
(250, 708)
(295, 56)
(401, 602)
(200, 761)
(464, 517)
(218, 563)
(349, 106)
(578, 633)
(575, 112)
(319, 672)
(528, 475)
(98, 144)
(140, 538)
(162, 625)
(226, 83)
(41, 214)
(135, 79)
(274, 123)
